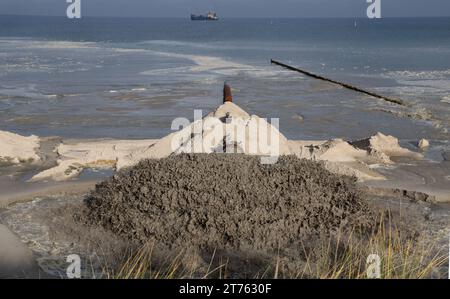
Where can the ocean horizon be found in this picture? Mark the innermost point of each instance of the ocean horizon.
(130, 77)
(261, 148)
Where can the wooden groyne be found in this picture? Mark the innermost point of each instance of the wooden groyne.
(351, 87)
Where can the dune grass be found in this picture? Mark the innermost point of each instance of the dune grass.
(401, 256)
(345, 256)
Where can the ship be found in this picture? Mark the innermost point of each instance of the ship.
(211, 16)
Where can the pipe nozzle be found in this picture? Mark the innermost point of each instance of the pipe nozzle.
(227, 96)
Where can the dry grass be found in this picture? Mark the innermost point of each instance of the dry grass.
(140, 265)
(401, 257)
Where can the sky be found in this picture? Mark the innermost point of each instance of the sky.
(229, 8)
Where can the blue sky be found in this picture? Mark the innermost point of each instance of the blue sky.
(230, 8)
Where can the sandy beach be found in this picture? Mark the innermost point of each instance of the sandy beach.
(377, 160)
(235, 147)
(40, 172)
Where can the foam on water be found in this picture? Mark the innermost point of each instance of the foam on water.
(25, 92)
(445, 99)
(419, 75)
(36, 44)
(163, 73)
(218, 45)
(35, 56)
(216, 65)
(425, 91)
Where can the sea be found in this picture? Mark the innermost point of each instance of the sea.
(130, 78)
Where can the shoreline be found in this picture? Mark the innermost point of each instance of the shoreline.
(388, 174)
(49, 250)
(51, 164)
(40, 190)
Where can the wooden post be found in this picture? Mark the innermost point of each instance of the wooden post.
(351, 87)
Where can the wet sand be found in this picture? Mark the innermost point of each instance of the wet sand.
(14, 191)
(432, 178)
(67, 170)
(15, 257)
(46, 227)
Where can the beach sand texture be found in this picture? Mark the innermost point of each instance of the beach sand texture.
(374, 162)
(351, 158)
(15, 257)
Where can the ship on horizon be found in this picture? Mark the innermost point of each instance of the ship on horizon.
(211, 16)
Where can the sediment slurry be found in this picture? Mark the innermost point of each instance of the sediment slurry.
(227, 202)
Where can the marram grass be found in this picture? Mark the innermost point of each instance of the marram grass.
(401, 256)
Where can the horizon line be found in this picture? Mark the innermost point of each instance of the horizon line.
(225, 17)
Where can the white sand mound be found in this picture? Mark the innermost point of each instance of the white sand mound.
(382, 147)
(15, 148)
(423, 143)
(91, 154)
(231, 108)
(335, 150)
(228, 129)
(339, 157)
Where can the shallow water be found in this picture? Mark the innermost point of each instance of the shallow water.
(129, 78)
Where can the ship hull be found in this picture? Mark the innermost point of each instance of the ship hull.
(203, 18)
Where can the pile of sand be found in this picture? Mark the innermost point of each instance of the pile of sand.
(73, 157)
(382, 147)
(226, 201)
(228, 128)
(15, 148)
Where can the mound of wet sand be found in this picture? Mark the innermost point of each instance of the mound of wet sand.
(228, 202)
